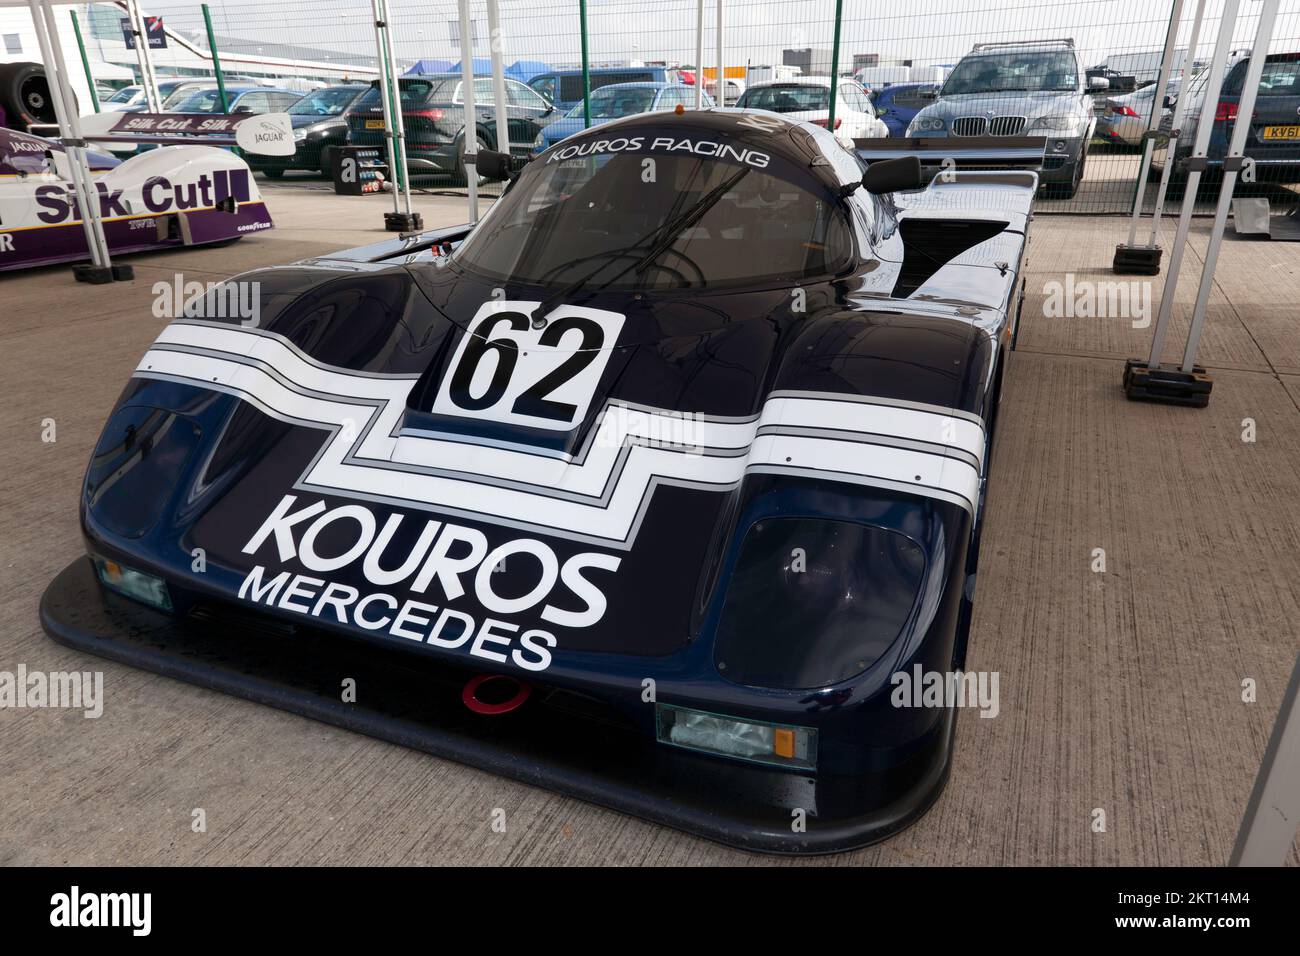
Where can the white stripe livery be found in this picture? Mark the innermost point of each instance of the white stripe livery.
(599, 495)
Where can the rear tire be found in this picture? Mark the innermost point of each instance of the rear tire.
(25, 95)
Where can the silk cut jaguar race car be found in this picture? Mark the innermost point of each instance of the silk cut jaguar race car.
(174, 196)
(643, 488)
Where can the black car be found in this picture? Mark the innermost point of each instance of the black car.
(433, 115)
(663, 491)
(318, 126)
(1273, 141)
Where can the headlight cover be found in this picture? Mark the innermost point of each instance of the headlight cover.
(142, 453)
(812, 602)
(1060, 123)
(926, 124)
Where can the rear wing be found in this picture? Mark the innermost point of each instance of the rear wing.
(958, 152)
(269, 134)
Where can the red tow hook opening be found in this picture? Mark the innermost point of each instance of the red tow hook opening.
(493, 694)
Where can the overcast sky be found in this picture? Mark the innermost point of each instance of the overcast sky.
(928, 31)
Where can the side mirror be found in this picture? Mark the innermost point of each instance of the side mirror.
(893, 175)
(1168, 103)
(493, 166)
(1098, 83)
(243, 109)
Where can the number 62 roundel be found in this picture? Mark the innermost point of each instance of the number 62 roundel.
(506, 371)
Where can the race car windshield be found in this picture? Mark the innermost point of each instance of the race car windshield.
(566, 216)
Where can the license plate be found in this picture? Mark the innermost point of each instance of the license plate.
(1282, 132)
(374, 124)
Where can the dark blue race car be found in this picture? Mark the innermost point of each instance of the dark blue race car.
(644, 488)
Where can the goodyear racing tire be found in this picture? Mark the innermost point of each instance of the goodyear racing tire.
(25, 95)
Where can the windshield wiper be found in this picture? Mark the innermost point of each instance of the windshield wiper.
(670, 231)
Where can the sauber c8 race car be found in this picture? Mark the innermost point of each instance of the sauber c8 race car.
(641, 489)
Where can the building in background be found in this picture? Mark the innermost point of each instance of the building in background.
(810, 60)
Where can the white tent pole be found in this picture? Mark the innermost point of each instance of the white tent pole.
(1180, 108)
(467, 94)
(1153, 123)
(1245, 109)
(148, 80)
(399, 121)
(720, 97)
(1228, 20)
(699, 54)
(47, 38)
(387, 87)
(501, 110)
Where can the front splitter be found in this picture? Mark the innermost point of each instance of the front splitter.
(552, 742)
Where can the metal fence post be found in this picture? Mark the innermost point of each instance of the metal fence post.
(720, 96)
(586, 65)
(216, 59)
(835, 66)
(470, 162)
(500, 106)
(85, 61)
(699, 54)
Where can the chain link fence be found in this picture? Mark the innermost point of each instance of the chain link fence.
(1080, 73)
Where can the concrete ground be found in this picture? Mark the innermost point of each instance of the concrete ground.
(1120, 691)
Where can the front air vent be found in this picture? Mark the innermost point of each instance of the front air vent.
(1006, 125)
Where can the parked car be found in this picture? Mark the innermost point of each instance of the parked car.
(1124, 119)
(433, 115)
(563, 88)
(239, 99)
(318, 127)
(618, 100)
(808, 98)
(131, 99)
(898, 103)
(733, 86)
(1034, 88)
(1273, 141)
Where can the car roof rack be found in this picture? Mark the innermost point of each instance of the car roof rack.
(1066, 41)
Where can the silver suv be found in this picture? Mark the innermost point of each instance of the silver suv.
(1034, 88)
